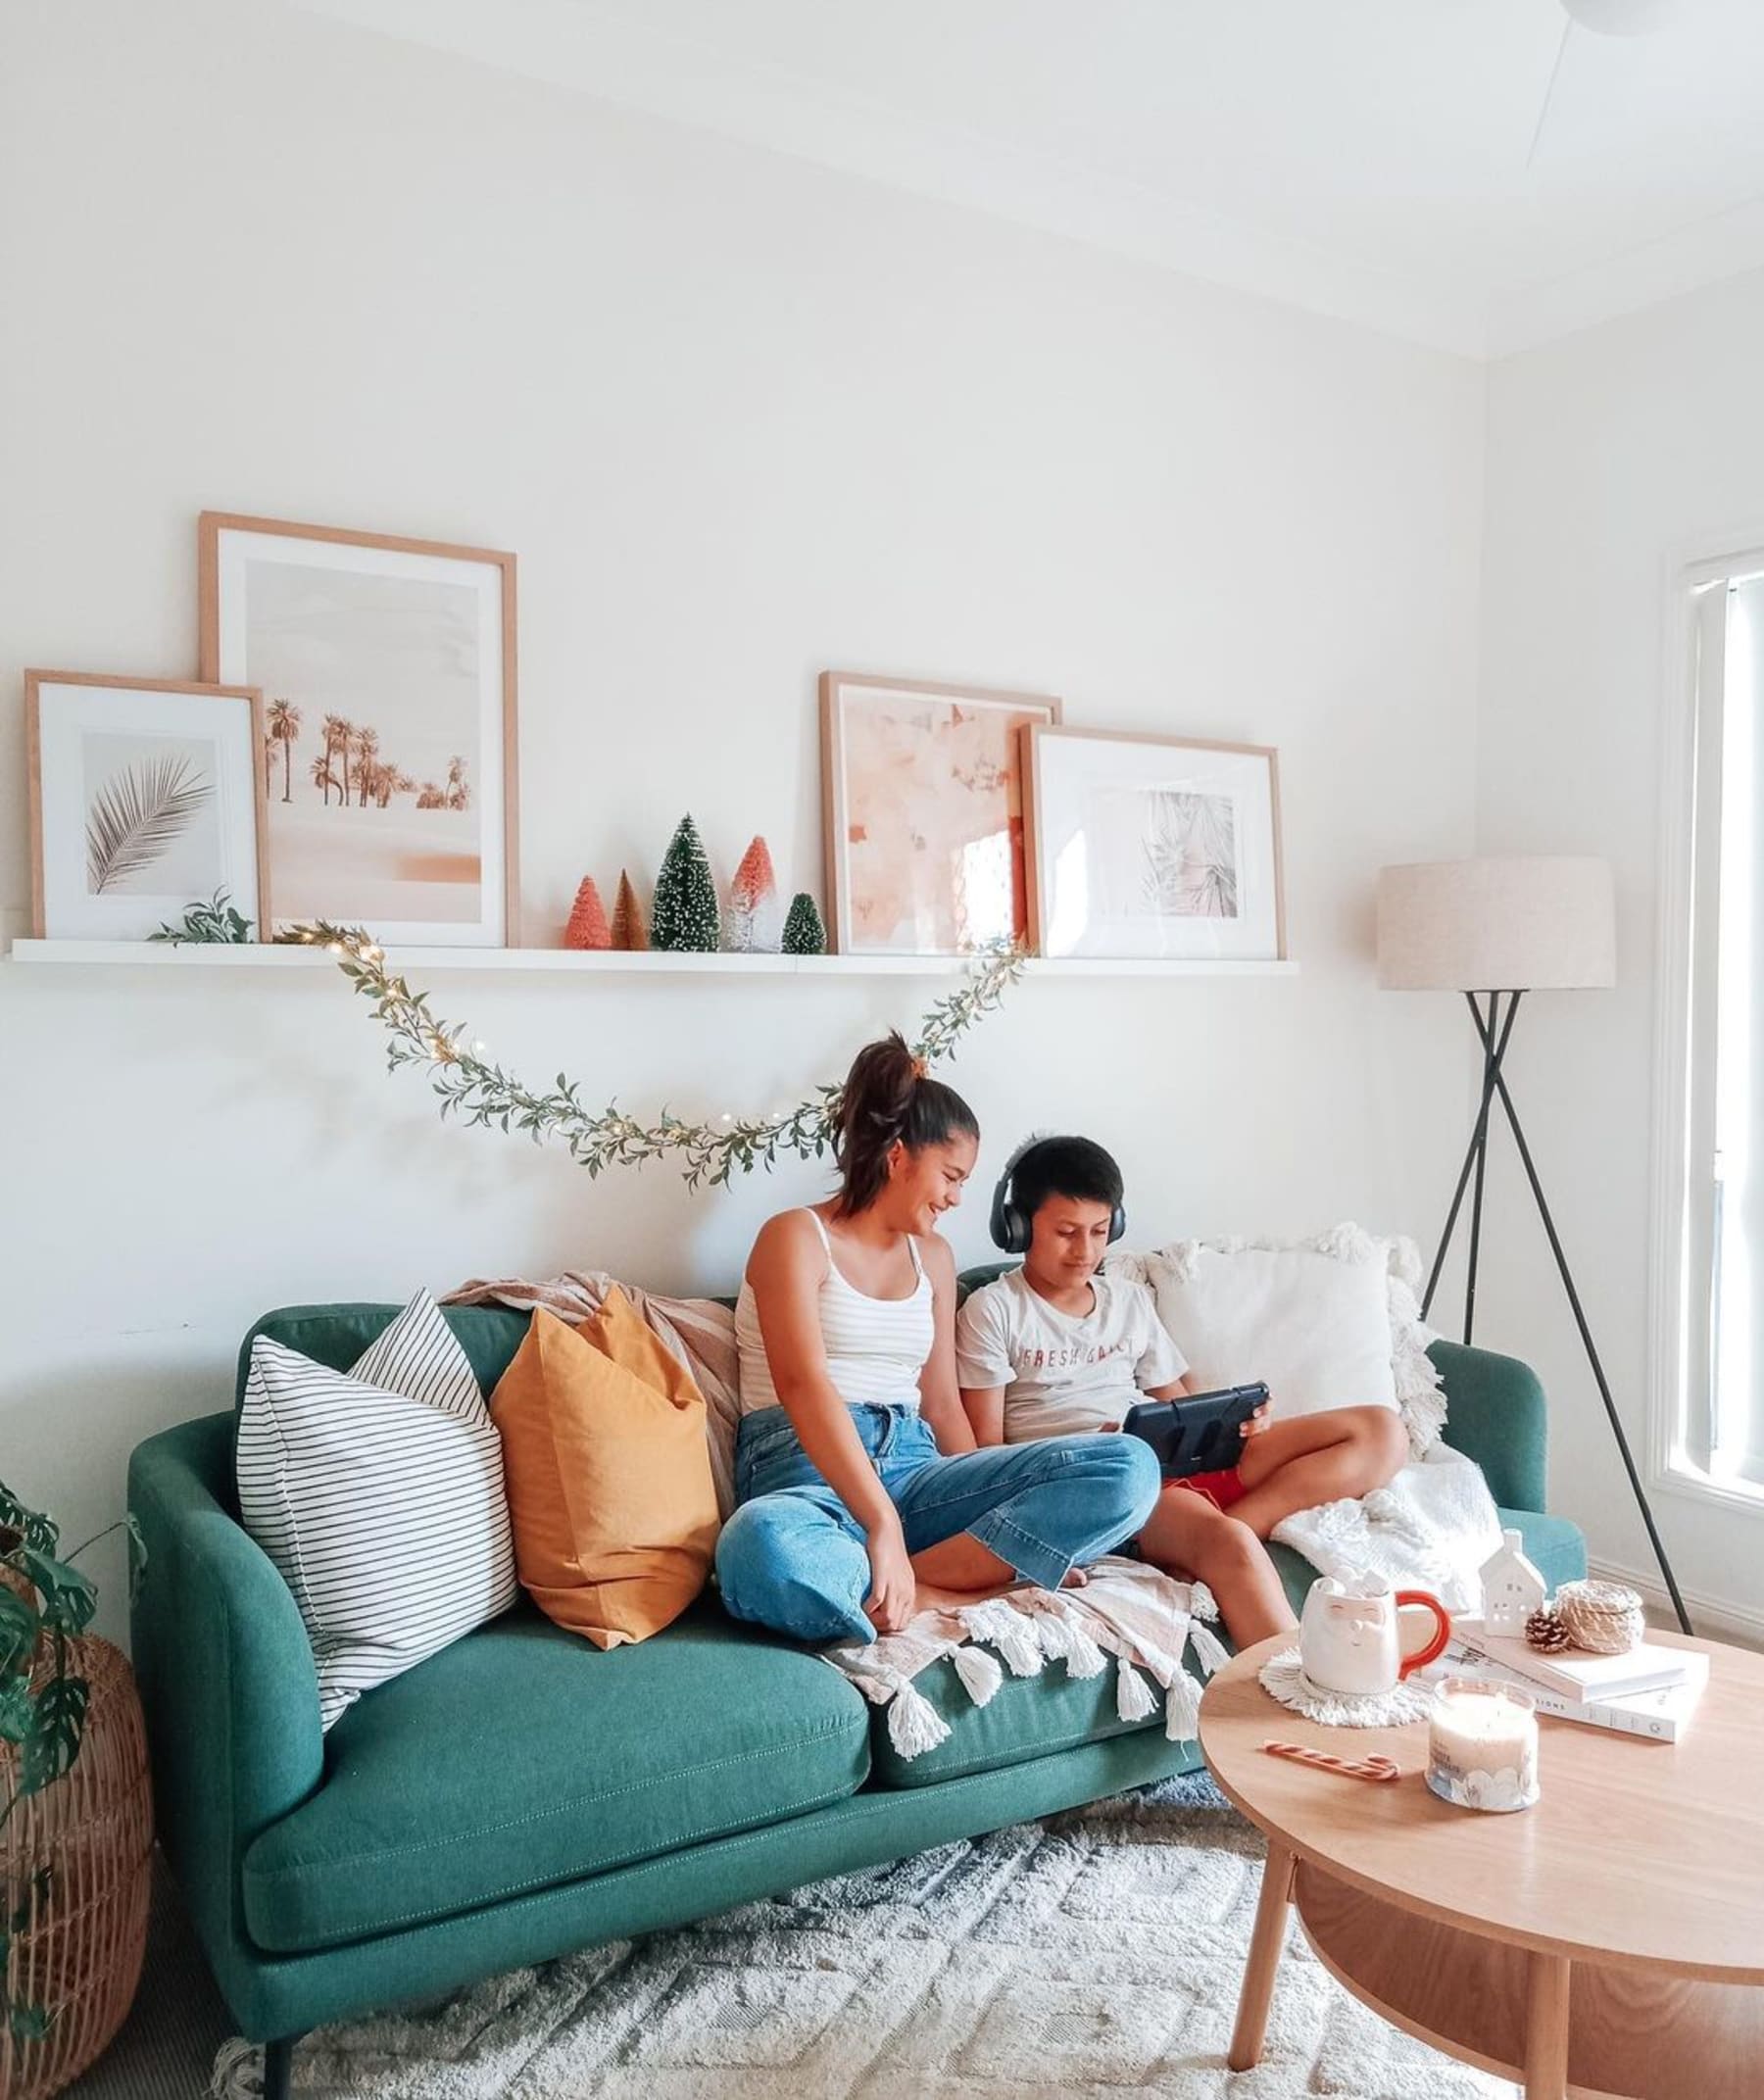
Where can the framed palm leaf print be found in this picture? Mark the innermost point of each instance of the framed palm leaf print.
(146, 797)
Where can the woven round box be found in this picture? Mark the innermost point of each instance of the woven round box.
(1604, 1618)
(76, 1948)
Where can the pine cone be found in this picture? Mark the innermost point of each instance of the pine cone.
(1545, 1632)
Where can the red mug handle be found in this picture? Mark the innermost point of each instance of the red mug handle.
(1442, 1633)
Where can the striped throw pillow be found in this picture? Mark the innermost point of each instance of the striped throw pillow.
(378, 1494)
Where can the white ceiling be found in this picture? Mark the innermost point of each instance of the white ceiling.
(1473, 173)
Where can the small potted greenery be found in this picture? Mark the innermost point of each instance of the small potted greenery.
(59, 1688)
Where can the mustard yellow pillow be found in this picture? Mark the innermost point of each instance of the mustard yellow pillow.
(611, 1496)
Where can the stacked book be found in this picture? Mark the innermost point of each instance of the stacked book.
(1651, 1691)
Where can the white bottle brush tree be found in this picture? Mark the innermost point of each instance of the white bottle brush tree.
(753, 923)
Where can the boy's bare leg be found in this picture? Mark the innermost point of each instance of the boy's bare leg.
(1317, 1458)
(1185, 1535)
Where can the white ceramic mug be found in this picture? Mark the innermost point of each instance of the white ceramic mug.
(1352, 1639)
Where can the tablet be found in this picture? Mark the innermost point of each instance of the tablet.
(1203, 1434)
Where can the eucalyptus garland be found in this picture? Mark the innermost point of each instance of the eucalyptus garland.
(471, 1086)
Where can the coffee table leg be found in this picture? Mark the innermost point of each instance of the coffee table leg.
(1547, 2029)
(1265, 1943)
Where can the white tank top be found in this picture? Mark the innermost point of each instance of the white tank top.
(876, 1347)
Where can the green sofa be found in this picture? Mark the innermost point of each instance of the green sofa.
(523, 1794)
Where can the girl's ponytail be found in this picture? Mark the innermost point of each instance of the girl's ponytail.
(888, 1100)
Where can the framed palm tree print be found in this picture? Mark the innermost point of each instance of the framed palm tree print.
(146, 797)
(387, 669)
(1154, 847)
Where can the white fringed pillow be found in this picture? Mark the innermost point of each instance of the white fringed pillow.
(1328, 1322)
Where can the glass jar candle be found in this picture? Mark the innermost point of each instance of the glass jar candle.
(1482, 1745)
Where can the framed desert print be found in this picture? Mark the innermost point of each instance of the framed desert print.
(387, 669)
(146, 797)
(924, 814)
(1154, 846)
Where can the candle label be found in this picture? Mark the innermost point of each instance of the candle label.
(1507, 1786)
(1482, 1748)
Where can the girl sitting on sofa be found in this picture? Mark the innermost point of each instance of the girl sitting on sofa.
(860, 1496)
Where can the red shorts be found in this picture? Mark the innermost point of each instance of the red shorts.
(1221, 1489)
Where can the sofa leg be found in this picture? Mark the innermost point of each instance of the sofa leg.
(278, 2067)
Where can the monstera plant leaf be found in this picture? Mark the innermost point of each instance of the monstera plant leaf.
(19, 1624)
(68, 1598)
(56, 1728)
(31, 1525)
(137, 816)
(15, 1708)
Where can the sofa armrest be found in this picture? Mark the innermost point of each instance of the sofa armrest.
(1496, 1413)
(225, 1669)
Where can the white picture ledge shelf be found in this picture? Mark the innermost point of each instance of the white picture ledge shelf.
(563, 961)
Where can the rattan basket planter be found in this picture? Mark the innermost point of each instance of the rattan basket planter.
(78, 1949)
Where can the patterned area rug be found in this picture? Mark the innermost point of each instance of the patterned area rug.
(1097, 1954)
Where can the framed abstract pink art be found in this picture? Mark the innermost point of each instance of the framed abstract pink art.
(924, 814)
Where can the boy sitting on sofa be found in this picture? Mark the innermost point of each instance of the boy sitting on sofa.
(1056, 1346)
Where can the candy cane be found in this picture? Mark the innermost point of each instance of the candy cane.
(1374, 1766)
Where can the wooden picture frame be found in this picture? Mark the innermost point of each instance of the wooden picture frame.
(239, 863)
(1135, 851)
(922, 812)
(327, 621)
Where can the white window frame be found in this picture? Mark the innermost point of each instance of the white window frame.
(1679, 1418)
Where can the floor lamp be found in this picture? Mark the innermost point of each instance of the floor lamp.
(1523, 925)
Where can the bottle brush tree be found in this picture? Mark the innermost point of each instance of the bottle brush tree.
(684, 918)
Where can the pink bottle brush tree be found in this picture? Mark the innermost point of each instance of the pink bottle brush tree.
(588, 926)
(754, 924)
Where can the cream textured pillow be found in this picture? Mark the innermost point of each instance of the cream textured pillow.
(1328, 1322)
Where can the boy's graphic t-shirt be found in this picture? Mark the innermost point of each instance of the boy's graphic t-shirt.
(1063, 1373)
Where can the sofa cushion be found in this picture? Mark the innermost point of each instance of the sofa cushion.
(521, 1758)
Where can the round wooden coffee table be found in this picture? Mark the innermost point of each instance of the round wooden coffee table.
(1606, 1943)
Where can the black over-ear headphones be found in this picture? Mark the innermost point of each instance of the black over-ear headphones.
(1011, 1229)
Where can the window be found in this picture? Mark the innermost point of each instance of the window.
(1714, 958)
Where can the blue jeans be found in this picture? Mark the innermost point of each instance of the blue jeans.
(794, 1558)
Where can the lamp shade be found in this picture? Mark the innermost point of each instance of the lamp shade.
(1508, 925)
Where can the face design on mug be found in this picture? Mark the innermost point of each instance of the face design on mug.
(1353, 1619)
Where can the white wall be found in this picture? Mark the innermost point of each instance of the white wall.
(1607, 454)
(741, 419)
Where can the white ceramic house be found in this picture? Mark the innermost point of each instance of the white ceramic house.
(1511, 1588)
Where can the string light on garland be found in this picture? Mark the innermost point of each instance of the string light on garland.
(471, 1085)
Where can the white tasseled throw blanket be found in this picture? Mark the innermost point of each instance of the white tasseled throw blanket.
(1126, 1609)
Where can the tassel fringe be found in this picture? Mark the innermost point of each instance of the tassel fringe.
(915, 1724)
(1084, 1658)
(1211, 1652)
(1008, 1631)
(1133, 1695)
(978, 1670)
(238, 2073)
(1182, 1709)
